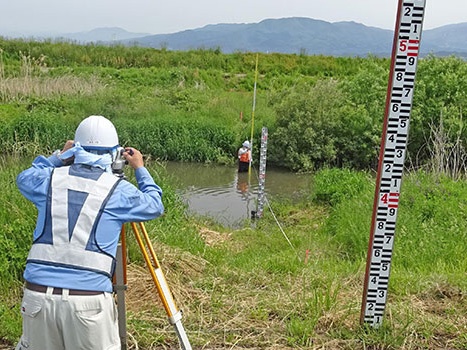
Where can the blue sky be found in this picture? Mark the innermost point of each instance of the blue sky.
(157, 17)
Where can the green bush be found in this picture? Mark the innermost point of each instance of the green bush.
(333, 186)
(307, 121)
(320, 111)
(440, 99)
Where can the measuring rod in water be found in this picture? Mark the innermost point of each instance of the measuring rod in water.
(262, 171)
(405, 54)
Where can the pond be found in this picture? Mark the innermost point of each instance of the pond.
(228, 197)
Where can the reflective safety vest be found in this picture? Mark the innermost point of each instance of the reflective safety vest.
(245, 156)
(74, 206)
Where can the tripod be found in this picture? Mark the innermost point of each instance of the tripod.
(174, 315)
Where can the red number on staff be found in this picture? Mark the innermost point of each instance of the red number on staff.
(403, 45)
(384, 198)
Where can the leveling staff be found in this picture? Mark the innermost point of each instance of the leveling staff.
(67, 302)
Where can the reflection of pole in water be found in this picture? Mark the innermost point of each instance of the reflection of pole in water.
(242, 184)
(262, 171)
(243, 189)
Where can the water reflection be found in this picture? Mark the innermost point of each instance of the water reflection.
(228, 197)
(242, 184)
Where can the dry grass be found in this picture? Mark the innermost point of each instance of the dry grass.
(14, 89)
(177, 266)
(33, 81)
(448, 149)
(213, 238)
(231, 309)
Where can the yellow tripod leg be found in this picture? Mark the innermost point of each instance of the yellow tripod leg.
(175, 315)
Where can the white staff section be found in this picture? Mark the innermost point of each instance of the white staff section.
(262, 171)
(399, 97)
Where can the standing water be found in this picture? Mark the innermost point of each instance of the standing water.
(228, 197)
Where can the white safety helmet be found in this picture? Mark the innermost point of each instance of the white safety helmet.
(246, 144)
(96, 133)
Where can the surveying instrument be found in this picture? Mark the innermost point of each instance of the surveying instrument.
(158, 277)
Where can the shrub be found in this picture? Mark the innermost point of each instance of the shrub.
(332, 186)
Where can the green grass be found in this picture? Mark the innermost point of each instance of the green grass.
(250, 288)
(297, 285)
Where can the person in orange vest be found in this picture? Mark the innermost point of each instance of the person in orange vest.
(244, 157)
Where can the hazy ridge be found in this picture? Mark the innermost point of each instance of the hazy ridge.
(297, 35)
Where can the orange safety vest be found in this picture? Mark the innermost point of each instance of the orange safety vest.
(245, 157)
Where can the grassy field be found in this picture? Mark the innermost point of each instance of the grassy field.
(294, 278)
(294, 283)
(251, 289)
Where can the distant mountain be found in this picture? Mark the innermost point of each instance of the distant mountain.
(306, 36)
(103, 35)
(287, 35)
(448, 39)
(297, 35)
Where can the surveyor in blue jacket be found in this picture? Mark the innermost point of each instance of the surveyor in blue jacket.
(82, 205)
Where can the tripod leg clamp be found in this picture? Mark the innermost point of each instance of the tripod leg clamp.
(176, 317)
